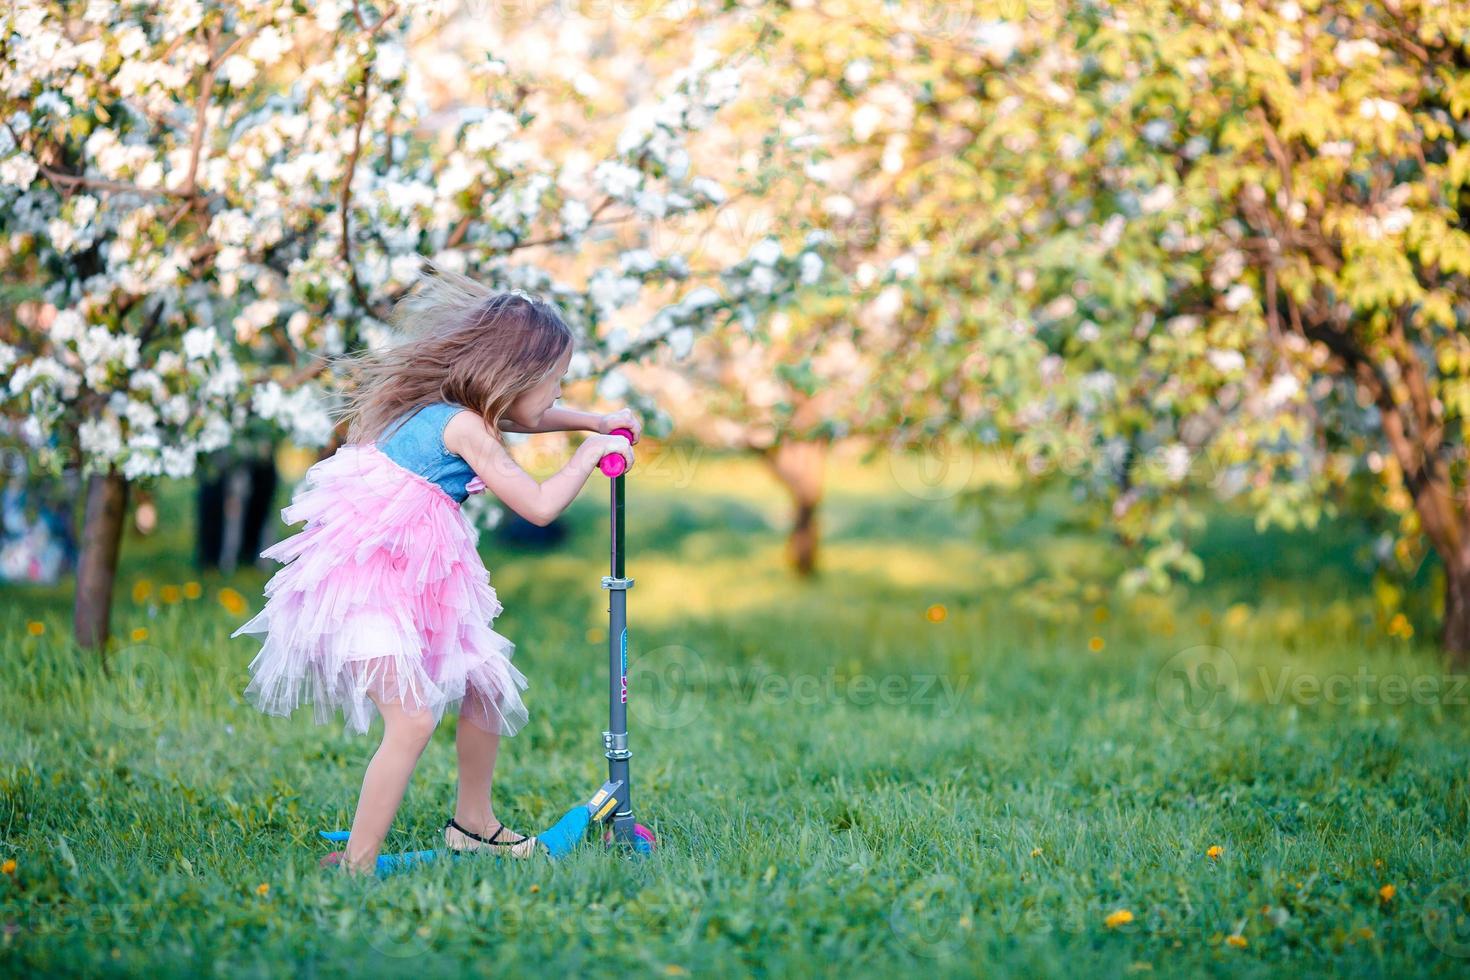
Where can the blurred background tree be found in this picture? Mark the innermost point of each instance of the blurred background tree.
(203, 226)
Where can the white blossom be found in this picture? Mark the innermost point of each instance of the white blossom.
(709, 189)
(1348, 51)
(100, 437)
(762, 280)
(638, 261)
(390, 61)
(238, 70)
(199, 342)
(612, 385)
(1283, 388)
(1238, 295)
(1176, 462)
(178, 462)
(1225, 361)
(681, 341)
(766, 252)
(575, 217)
(811, 267)
(1157, 199)
(997, 38)
(18, 170)
(618, 179)
(701, 298)
(1376, 108)
(488, 132)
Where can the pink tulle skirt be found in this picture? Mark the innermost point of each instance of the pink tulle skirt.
(383, 594)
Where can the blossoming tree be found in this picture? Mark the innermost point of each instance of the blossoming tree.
(1217, 244)
(1248, 264)
(1173, 244)
(209, 198)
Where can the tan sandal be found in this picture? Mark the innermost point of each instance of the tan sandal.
(494, 842)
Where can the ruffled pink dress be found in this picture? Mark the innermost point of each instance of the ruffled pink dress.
(383, 593)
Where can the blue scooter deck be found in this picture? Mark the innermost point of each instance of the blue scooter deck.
(559, 839)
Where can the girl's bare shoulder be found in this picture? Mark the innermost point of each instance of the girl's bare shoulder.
(465, 435)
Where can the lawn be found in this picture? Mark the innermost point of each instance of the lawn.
(947, 753)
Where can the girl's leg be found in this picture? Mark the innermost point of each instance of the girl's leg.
(405, 734)
(477, 750)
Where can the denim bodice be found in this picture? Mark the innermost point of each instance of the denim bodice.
(415, 441)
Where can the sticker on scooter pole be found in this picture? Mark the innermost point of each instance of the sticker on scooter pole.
(624, 642)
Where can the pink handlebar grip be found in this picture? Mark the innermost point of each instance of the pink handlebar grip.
(613, 464)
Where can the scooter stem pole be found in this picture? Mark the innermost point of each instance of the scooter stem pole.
(615, 739)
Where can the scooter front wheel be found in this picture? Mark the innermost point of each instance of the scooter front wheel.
(643, 840)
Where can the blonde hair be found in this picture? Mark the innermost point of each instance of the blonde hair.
(462, 342)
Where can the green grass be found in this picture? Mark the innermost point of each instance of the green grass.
(985, 811)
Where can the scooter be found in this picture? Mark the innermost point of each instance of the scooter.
(611, 805)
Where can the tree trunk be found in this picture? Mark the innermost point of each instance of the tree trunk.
(107, 500)
(799, 467)
(1455, 630)
(801, 547)
(1442, 515)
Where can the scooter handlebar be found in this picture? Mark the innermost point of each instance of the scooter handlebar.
(613, 464)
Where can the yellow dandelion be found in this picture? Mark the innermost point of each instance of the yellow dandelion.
(1237, 616)
(1378, 862)
(1119, 918)
(936, 613)
(1095, 644)
(1204, 618)
(139, 634)
(8, 867)
(262, 889)
(1036, 852)
(1387, 892)
(35, 627)
(1237, 941)
(233, 601)
(1400, 626)
(535, 889)
(675, 970)
(1366, 933)
(1100, 614)
(142, 589)
(595, 634)
(1214, 852)
(193, 590)
(170, 594)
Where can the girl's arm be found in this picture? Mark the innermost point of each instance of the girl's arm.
(538, 502)
(558, 419)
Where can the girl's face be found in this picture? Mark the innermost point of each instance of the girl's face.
(532, 404)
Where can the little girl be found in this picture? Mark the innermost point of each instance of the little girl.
(383, 604)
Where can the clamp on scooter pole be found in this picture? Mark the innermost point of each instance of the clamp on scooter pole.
(616, 744)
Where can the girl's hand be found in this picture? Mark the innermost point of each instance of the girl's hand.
(600, 445)
(623, 418)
